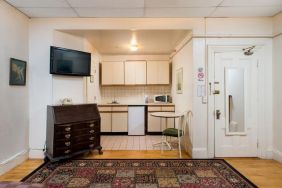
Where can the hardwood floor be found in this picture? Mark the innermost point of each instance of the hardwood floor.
(264, 173)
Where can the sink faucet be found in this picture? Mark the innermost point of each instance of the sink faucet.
(114, 101)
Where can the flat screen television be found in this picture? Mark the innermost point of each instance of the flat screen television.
(69, 62)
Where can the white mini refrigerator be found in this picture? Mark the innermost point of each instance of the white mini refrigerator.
(136, 120)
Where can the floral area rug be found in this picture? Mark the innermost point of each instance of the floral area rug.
(143, 173)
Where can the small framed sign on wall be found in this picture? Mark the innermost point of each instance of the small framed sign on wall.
(179, 80)
(17, 72)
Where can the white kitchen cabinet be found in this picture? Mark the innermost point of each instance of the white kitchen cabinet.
(158, 73)
(135, 72)
(129, 68)
(112, 73)
(163, 73)
(154, 123)
(106, 122)
(157, 124)
(140, 72)
(107, 76)
(152, 72)
(170, 123)
(119, 121)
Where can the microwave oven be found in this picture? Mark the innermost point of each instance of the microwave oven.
(161, 98)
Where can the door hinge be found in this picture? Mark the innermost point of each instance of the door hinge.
(257, 144)
(257, 64)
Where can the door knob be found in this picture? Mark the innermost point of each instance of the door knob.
(217, 114)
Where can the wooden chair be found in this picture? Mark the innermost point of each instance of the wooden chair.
(180, 131)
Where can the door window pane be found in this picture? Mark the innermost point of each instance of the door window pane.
(235, 100)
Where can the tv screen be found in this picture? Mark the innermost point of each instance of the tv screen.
(69, 62)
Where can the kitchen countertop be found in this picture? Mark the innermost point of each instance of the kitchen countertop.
(144, 104)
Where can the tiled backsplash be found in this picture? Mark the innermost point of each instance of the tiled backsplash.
(132, 94)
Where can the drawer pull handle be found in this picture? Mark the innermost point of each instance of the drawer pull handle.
(67, 151)
(92, 131)
(67, 129)
(91, 125)
(67, 136)
(67, 143)
(91, 138)
(91, 145)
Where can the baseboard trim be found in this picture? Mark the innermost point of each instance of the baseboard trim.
(36, 154)
(200, 153)
(13, 161)
(277, 155)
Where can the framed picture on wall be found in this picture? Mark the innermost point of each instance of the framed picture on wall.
(179, 80)
(17, 72)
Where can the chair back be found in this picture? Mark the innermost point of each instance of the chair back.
(185, 121)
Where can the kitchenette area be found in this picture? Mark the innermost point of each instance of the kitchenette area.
(131, 90)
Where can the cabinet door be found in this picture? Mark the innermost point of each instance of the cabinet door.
(119, 122)
(107, 73)
(129, 68)
(118, 73)
(152, 72)
(112, 73)
(154, 123)
(167, 123)
(106, 122)
(140, 72)
(163, 72)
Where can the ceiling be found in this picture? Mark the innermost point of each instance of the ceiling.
(147, 8)
(119, 41)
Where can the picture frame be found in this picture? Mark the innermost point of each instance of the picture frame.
(17, 72)
(179, 81)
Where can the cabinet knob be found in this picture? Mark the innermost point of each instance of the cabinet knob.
(67, 136)
(67, 151)
(67, 129)
(91, 125)
(91, 131)
(67, 143)
(91, 138)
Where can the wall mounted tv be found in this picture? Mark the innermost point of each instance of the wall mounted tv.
(69, 62)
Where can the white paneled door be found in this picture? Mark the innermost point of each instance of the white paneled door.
(235, 98)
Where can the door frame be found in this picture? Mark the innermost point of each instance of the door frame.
(261, 126)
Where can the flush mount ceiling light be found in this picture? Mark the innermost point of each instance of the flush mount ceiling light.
(134, 47)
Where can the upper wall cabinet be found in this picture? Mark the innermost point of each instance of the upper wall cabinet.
(158, 72)
(112, 73)
(135, 72)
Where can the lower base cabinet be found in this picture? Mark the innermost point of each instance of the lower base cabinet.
(119, 122)
(106, 122)
(157, 124)
(169, 124)
(114, 119)
(154, 123)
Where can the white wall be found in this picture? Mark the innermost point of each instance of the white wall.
(13, 99)
(41, 37)
(68, 86)
(277, 87)
(93, 94)
(183, 59)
